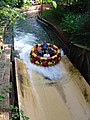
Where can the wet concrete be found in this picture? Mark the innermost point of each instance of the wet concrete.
(44, 99)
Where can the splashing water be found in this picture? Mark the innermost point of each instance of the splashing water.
(23, 42)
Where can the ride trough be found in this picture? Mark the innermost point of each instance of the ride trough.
(46, 61)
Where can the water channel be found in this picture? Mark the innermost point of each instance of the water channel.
(28, 33)
(46, 98)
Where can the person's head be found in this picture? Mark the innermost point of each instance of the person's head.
(44, 41)
(36, 46)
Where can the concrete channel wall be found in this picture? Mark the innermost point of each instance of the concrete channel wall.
(79, 55)
(5, 74)
(67, 98)
(5, 65)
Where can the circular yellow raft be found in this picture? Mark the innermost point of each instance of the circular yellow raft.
(46, 61)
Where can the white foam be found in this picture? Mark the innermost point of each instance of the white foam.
(62, 52)
(52, 72)
(23, 44)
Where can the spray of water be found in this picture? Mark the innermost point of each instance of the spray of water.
(23, 44)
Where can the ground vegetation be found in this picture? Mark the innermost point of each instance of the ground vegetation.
(72, 19)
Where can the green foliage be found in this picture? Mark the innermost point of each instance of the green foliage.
(20, 3)
(2, 96)
(58, 12)
(54, 4)
(46, 1)
(69, 22)
(27, 2)
(16, 113)
(12, 3)
(2, 3)
(3, 91)
(78, 28)
(49, 15)
(43, 1)
(75, 23)
(11, 14)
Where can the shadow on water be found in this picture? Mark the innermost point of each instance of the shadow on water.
(28, 33)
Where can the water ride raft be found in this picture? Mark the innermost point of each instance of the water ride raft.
(46, 61)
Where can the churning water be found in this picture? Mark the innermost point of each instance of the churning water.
(27, 34)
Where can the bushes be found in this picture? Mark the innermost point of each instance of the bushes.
(77, 27)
